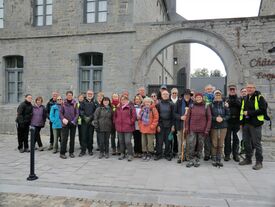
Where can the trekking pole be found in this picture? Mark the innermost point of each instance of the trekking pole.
(32, 175)
(183, 153)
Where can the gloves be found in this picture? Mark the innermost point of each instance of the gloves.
(65, 121)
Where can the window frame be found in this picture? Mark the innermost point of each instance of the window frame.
(96, 12)
(16, 70)
(44, 13)
(92, 70)
(2, 18)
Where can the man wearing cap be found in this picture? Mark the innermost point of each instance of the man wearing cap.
(234, 104)
(181, 109)
(252, 118)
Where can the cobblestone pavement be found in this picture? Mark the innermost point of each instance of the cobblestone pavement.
(110, 182)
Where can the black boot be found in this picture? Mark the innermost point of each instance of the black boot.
(219, 163)
(214, 161)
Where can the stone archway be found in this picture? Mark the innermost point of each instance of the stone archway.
(190, 35)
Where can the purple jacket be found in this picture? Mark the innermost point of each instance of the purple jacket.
(69, 111)
(39, 115)
(124, 119)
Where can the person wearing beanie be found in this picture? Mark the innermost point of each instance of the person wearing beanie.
(220, 116)
(197, 127)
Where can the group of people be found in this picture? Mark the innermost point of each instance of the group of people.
(185, 124)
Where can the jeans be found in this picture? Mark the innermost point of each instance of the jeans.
(125, 142)
(69, 128)
(56, 136)
(51, 133)
(252, 137)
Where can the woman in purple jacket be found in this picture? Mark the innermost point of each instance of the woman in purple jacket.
(124, 121)
(39, 116)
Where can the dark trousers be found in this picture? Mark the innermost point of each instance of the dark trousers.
(66, 130)
(79, 134)
(162, 137)
(113, 140)
(207, 146)
(103, 138)
(137, 142)
(252, 137)
(37, 137)
(87, 137)
(174, 145)
(22, 135)
(51, 133)
(231, 129)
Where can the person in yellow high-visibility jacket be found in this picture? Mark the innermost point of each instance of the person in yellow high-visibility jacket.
(252, 118)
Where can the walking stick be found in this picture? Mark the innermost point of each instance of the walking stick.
(183, 153)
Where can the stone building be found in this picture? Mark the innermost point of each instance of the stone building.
(48, 45)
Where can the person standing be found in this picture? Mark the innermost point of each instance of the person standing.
(86, 110)
(243, 93)
(220, 116)
(103, 123)
(23, 121)
(124, 120)
(165, 126)
(69, 116)
(56, 122)
(148, 121)
(197, 127)
(252, 113)
(181, 108)
(208, 98)
(137, 133)
(39, 115)
(98, 101)
(234, 105)
(141, 92)
(49, 105)
(174, 98)
(79, 121)
(114, 144)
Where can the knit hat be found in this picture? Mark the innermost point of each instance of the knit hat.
(198, 94)
(217, 91)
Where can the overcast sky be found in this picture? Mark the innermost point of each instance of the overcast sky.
(201, 56)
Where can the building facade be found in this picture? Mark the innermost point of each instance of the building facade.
(48, 45)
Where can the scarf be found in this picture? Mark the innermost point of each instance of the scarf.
(145, 115)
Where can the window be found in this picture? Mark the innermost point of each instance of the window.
(1, 13)
(96, 11)
(43, 12)
(14, 84)
(91, 65)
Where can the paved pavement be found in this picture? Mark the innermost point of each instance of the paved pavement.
(120, 183)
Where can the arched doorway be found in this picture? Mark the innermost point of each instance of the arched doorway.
(190, 35)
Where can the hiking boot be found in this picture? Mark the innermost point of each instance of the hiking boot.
(55, 151)
(71, 155)
(144, 157)
(206, 158)
(219, 164)
(91, 153)
(257, 166)
(227, 158)
(157, 157)
(21, 150)
(41, 148)
(179, 160)
(148, 157)
(114, 152)
(81, 154)
(100, 156)
(107, 155)
(245, 162)
(130, 158)
(214, 161)
(27, 150)
(236, 158)
(50, 147)
(121, 157)
(197, 163)
(169, 158)
(63, 156)
(190, 163)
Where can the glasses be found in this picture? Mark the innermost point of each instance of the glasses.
(232, 89)
(218, 94)
(59, 99)
(174, 93)
(153, 96)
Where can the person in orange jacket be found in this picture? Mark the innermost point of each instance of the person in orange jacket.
(148, 121)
